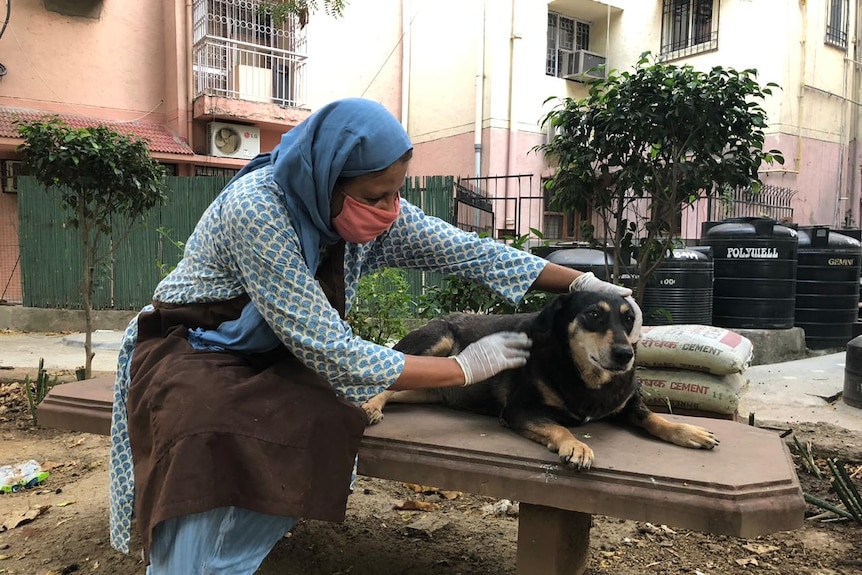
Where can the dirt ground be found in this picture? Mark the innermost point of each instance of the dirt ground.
(61, 526)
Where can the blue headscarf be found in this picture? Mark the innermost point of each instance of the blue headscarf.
(346, 138)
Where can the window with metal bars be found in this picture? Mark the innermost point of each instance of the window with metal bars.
(556, 225)
(10, 170)
(837, 23)
(688, 27)
(565, 36)
(240, 52)
(205, 171)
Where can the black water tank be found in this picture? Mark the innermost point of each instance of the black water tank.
(585, 260)
(754, 262)
(853, 373)
(680, 290)
(827, 286)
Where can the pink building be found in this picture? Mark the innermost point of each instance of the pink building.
(207, 84)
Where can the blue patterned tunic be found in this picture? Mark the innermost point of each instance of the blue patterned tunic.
(245, 244)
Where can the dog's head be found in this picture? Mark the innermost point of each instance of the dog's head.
(595, 329)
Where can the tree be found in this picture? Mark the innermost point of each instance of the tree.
(99, 174)
(665, 133)
(281, 9)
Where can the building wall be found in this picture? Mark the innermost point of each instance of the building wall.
(420, 59)
(809, 116)
(357, 55)
(74, 65)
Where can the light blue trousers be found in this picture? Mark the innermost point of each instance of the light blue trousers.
(223, 541)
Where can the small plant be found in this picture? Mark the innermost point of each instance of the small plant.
(807, 457)
(38, 389)
(165, 269)
(842, 485)
(460, 295)
(381, 307)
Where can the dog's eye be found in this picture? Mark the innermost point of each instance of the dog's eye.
(594, 315)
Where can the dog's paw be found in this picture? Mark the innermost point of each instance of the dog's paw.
(574, 454)
(373, 414)
(694, 436)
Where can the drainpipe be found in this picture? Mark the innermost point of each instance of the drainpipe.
(406, 47)
(853, 160)
(508, 213)
(841, 196)
(190, 72)
(480, 87)
(802, 62)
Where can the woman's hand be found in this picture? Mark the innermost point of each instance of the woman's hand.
(589, 282)
(492, 354)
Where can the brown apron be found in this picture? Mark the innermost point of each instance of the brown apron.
(213, 429)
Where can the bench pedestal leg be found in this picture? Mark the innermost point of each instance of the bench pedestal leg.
(552, 541)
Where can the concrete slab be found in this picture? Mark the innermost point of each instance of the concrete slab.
(22, 350)
(805, 390)
(745, 487)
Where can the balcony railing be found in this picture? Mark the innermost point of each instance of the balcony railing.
(246, 71)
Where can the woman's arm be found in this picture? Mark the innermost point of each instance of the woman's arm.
(555, 278)
(422, 372)
(477, 362)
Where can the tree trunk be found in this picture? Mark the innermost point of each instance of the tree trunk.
(87, 247)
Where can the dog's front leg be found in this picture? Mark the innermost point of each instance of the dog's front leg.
(374, 406)
(559, 439)
(682, 434)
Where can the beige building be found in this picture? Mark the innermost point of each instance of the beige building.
(209, 83)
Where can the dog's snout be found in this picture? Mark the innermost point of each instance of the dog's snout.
(622, 354)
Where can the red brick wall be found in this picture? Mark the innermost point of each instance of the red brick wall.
(10, 267)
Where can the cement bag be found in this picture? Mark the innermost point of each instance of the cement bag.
(694, 390)
(703, 348)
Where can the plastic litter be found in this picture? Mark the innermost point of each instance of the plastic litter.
(20, 476)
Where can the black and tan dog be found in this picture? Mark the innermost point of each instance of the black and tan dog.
(581, 369)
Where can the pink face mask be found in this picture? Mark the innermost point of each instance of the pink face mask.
(360, 223)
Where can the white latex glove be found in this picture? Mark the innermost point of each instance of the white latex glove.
(639, 319)
(493, 354)
(589, 282)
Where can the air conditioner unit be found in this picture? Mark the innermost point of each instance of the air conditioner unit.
(233, 140)
(583, 65)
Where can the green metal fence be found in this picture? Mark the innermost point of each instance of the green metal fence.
(435, 195)
(51, 252)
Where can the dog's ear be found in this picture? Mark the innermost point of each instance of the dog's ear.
(545, 321)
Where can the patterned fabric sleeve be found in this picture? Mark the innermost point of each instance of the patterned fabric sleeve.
(427, 243)
(265, 255)
(121, 474)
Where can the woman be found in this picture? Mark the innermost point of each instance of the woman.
(235, 408)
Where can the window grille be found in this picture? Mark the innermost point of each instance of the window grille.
(240, 53)
(565, 37)
(10, 170)
(205, 171)
(559, 225)
(689, 27)
(837, 22)
(171, 169)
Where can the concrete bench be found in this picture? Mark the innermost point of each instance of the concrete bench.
(745, 488)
